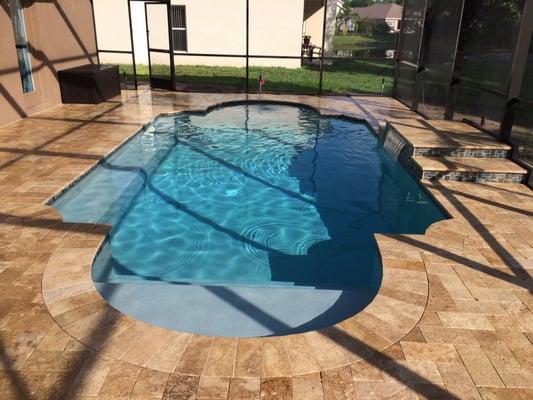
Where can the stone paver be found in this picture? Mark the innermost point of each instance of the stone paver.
(453, 318)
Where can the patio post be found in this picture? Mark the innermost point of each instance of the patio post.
(419, 68)
(171, 46)
(247, 46)
(455, 76)
(397, 55)
(324, 22)
(518, 68)
(132, 48)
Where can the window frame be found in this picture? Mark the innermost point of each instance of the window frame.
(180, 29)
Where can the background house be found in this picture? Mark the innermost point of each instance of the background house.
(390, 13)
(214, 27)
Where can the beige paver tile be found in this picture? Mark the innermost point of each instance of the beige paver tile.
(338, 383)
(194, 357)
(455, 287)
(327, 354)
(150, 384)
(367, 370)
(46, 360)
(167, 359)
(249, 359)
(55, 339)
(480, 307)
(519, 345)
(301, 355)
(436, 352)
(146, 346)
(478, 365)
(244, 388)
(307, 387)
(383, 390)
(276, 389)
(437, 334)
(517, 377)
(213, 388)
(222, 356)
(92, 375)
(412, 371)
(120, 380)
(506, 394)
(181, 387)
(465, 321)
(496, 350)
(491, 294)
(16, 348)
(457, 381)
(275, 357)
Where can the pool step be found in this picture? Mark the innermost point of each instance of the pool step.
(445, 139)
(468, 169)
(451, 150)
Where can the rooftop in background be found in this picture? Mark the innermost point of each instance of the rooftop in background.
(379, 11)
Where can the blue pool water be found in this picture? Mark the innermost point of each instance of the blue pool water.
(251, 195)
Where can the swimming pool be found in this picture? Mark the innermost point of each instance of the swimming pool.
(257, 209)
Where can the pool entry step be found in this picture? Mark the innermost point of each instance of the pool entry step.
(451, 150)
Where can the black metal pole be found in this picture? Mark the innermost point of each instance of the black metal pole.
(323, 49)
(171, 47)
(132, 48)
(148, 42)
(95, 36)
(518, 69)
(247, 46)
(398, 54)
(419, 68)
(455, 76)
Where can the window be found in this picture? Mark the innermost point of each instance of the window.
(179, 28)
(21, 43)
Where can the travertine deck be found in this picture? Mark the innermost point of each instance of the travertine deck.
(453, 318)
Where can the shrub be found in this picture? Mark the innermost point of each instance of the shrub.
(381, 28)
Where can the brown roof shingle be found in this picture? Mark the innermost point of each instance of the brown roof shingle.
(379, 11)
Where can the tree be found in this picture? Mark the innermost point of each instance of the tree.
(365, 27)
(361, 3)
(345, 15)
(381, 28)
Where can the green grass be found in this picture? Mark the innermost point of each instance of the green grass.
(359, 42)
(351, 76)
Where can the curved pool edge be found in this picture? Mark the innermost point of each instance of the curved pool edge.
(78, 308)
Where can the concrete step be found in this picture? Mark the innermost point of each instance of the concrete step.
(446, 139)
(467, 169)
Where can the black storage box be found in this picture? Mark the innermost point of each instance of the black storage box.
(89, 84)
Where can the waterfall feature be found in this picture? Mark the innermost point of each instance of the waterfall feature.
(393, 143)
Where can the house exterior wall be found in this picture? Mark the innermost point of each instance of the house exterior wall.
(212, 27)
(113, 29)
(314, 23)
(393, 23)
(60, 35)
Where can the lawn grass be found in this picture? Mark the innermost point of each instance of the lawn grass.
(360, 42)
(350, 76)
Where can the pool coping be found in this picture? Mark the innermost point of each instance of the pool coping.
(73, 302)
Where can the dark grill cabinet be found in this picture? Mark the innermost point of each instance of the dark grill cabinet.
(89, 84)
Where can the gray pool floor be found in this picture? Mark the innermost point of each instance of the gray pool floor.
(233, 311)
